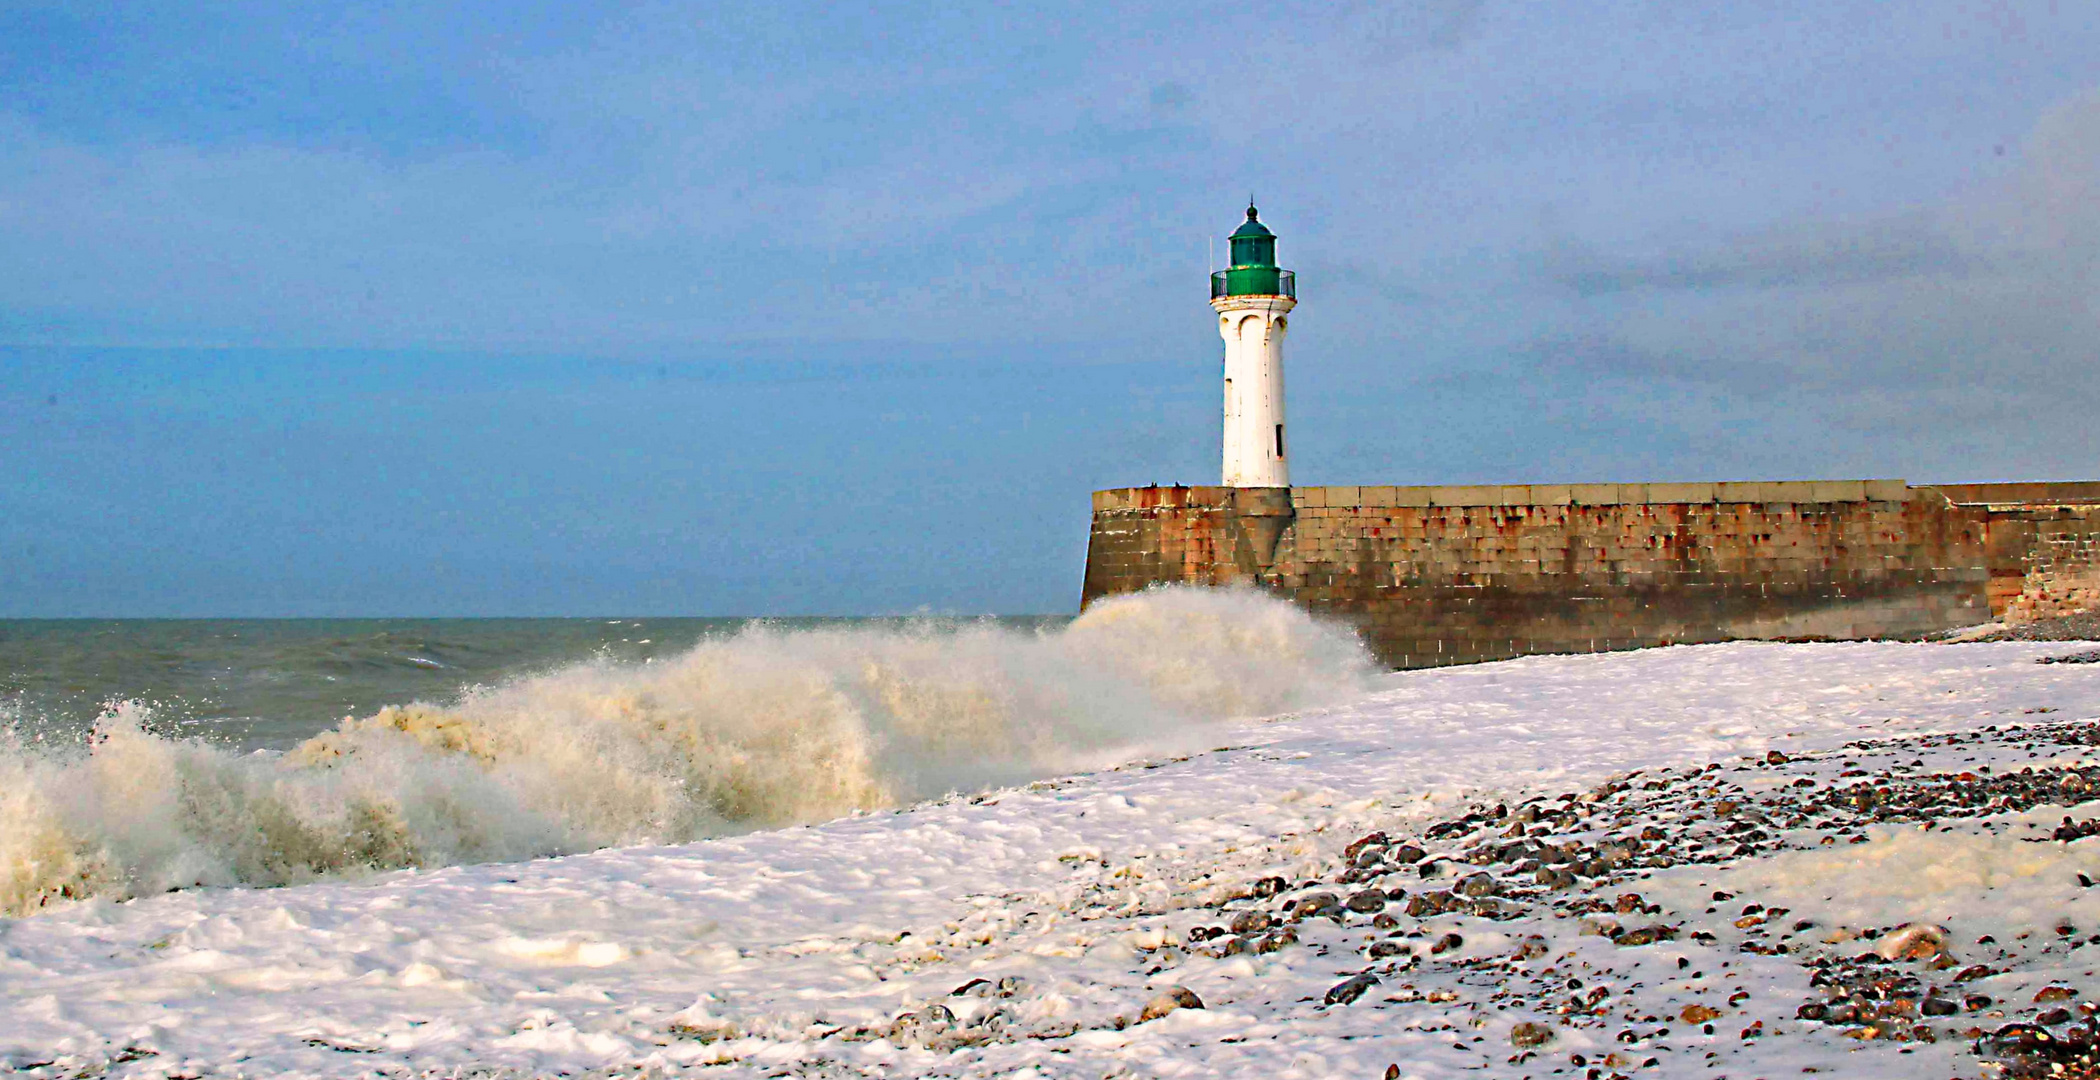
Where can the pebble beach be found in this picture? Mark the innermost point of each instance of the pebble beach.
(1754, 859)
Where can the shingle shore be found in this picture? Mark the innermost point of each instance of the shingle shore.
(1564, 935)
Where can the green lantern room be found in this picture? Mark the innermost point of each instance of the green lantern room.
(1253, 271)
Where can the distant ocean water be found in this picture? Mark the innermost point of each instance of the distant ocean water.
(139, 757)
(272, 683)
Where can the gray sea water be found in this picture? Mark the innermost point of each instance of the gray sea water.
(271, 683)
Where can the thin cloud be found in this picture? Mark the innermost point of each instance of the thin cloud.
(1907, 246)
(1997, 289)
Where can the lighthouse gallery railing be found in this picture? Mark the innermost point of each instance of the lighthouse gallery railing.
(1254, 281)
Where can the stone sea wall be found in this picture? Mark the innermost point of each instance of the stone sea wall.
(1442, 575)
(2044, 546)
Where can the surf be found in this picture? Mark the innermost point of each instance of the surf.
(766, 728)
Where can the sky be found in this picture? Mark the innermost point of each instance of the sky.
(530, 308)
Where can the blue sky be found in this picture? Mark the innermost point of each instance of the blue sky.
(531, 308)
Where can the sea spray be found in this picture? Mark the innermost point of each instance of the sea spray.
(761, 729)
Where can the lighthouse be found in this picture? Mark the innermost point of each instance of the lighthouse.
(1252, 296)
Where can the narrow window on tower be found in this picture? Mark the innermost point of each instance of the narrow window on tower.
(1279, 440)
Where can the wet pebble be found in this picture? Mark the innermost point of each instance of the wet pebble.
(1367, 902)
(1528, 1034)
(1350, 989)
(1476, 885)
(1315, 905)
(1175, 997)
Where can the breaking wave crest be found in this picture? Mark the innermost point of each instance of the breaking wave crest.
(762, 729)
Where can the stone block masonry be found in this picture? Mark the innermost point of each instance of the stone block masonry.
(2045, 546)
(1443, 575)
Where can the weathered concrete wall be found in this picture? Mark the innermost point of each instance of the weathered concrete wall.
(2044, 543)
(1440, 575)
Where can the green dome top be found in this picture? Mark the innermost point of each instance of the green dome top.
(1252, 226)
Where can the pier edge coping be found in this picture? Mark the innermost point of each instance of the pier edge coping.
(1649, 494)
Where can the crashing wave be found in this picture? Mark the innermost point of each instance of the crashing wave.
(762, 729)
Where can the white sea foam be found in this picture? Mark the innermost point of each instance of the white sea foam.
(762, 729)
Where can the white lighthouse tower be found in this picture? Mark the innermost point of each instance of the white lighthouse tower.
(1252, 297)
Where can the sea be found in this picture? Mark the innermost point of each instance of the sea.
(139, 756)
(270, 684)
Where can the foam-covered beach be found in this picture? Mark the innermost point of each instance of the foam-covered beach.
(1066, 925)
